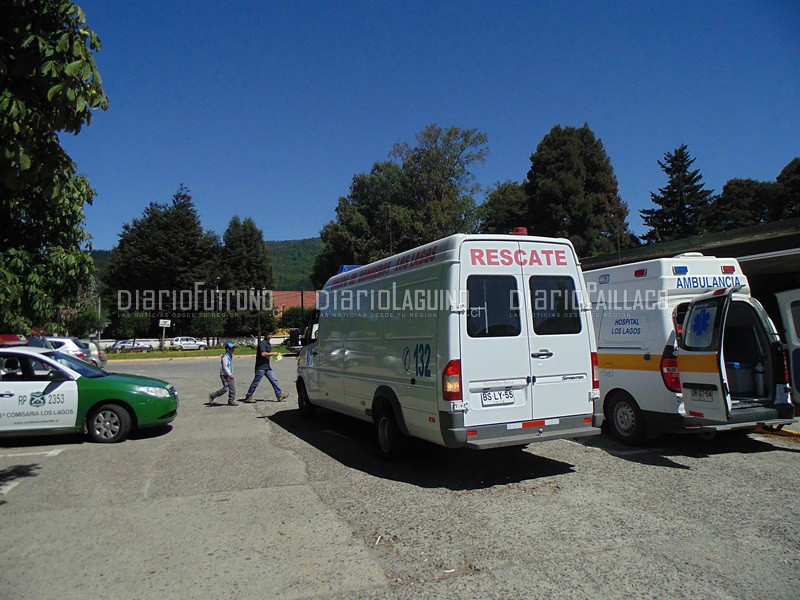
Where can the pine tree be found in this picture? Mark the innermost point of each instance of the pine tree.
(572, 192)
(164, 249)
(683, 204)
(245, 265)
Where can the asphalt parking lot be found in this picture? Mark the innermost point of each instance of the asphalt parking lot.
(252, 501)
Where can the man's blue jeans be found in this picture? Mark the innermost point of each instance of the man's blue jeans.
(260, 372)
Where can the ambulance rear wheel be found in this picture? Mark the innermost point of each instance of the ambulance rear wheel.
(625, 420)
(392, 444)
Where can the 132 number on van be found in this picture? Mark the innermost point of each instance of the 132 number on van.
(422, 360)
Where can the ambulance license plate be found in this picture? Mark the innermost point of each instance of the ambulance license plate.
(702, 395)
(493, 398)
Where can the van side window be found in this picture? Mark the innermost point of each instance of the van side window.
(493, 306)
(796, 317)
(555, 305)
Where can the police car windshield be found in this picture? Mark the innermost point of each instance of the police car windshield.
(76, 365)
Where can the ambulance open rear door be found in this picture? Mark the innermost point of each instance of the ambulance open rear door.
(700, 362)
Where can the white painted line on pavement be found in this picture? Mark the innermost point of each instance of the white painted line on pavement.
(5, 488)
(54, 452)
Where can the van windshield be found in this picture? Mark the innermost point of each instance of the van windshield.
(493, 306)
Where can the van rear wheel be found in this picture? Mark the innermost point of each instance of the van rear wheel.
(626, 421)
(392, 444)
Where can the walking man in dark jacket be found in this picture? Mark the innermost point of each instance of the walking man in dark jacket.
(263, 368)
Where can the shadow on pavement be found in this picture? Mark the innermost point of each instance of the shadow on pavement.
(56, 438)
(10, 474)
(44, 438)
(149, 433)
(350, 442)
(659, 452)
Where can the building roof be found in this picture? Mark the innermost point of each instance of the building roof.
(765, 249)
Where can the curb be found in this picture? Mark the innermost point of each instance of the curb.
(782, 433)
(162, 359)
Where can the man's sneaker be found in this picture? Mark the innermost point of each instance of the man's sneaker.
(234, 403)
(283, 397)
(249, 401)
(211, 398)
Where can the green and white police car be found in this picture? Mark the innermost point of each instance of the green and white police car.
(47, 390)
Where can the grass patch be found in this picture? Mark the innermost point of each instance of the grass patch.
(240, 351)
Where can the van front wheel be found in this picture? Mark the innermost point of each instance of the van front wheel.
(626, 420)
(307, 409)
(392, 444)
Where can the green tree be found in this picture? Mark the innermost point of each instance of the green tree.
(683, 205)
(245, 259)
(48, 84)
(505, 208)
(85, 323)
(165, 249)
(133, 324)
(789, 180)
(245, 265)
(572, 192)
(425, 194)
(209, 325)
(295, 318)
(745, 202)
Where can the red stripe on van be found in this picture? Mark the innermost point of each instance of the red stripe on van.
(693, 413)
(533, 423)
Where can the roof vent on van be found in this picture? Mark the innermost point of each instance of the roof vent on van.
(689, 254)
(346, 268)
(519, 231)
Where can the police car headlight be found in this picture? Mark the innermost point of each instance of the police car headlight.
(158, 392)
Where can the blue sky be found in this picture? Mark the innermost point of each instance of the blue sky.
(268, 109)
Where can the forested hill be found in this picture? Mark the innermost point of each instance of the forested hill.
(292, 261)
(101, 258)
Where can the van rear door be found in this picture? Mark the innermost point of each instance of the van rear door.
(705, 392)
(495, 357)
(789, 304)
(558, 335)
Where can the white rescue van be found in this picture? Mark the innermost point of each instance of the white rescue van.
(473, 340)
(683, 347)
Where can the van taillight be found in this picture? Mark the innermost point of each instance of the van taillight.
(451, 381)
(595, 372)
(670, 373)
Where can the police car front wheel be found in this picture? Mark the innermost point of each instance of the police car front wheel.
(108, 424)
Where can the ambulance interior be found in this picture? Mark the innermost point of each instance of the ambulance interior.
(748, 356)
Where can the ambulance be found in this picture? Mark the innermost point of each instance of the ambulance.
(476, 341)
(684, 347)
